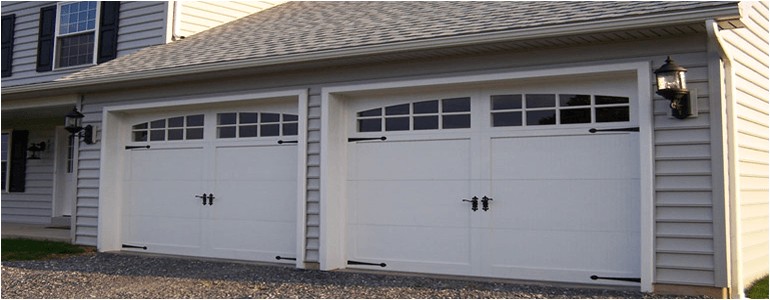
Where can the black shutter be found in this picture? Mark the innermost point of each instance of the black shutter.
(9, 26)
(18, 173)
(45, 38)
(108, 31)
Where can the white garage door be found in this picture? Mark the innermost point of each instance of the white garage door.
(563, 202)
(232, 157)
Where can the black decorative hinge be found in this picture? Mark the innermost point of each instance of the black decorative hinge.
(629, 279)
(382, 138)
(285, 258)
(281, 142)
(134, 246)
(137, 147)
(353, 262)
(632, 129)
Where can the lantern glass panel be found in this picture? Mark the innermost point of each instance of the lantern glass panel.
(668, 80)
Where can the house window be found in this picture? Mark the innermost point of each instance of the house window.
(255, 124)
(6, 138)
(76, 33)
(171, 129)
(557, 109)
(449, 113)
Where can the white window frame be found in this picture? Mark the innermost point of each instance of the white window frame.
(57, 36)
(7, 160)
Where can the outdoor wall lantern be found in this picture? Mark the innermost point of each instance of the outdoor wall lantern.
(670, 78)
(35, 149)
(73, 121)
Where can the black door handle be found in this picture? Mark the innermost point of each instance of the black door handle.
(211, 199)
(474, 203)
(485, 203)
(202, 197)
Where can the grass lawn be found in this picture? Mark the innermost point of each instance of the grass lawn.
(24, 249)
(758, 290)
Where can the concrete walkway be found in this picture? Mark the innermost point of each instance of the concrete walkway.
(35, 232)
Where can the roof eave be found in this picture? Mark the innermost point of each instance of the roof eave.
(686, 17)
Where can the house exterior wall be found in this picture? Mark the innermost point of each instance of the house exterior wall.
(34, 205)
(142, 24)
(197, 16)
(684, 218)
(750, 60)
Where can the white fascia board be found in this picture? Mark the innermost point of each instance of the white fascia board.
(726, 12)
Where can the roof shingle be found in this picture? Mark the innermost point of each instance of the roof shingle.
(304, 27)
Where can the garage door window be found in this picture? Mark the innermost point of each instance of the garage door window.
(423, 115)
(255, 124)
(170, 129)
(557, 109)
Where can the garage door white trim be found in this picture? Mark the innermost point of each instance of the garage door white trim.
(334, 135)
(115, 130)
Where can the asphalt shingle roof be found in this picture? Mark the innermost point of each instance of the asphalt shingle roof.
(305, 27)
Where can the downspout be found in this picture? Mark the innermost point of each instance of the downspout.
(175, 24)
(733, 215)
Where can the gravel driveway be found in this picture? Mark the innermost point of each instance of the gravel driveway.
(107, 275)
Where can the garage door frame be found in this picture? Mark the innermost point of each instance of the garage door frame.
(115, 130)
(333, 221)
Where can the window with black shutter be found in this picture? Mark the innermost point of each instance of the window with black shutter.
(18, 161)
(8, 25)
(77, 33)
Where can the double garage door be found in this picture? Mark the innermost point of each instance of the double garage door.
(506, 183)
(213, 183)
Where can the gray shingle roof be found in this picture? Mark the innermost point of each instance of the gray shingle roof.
(305, 27)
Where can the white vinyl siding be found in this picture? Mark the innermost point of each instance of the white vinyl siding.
(751, 60)
(684, 233)
(197, 16)
(34, 205)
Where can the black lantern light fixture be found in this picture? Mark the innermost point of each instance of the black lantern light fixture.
(73, 121)
(35, 149)
(671, 84)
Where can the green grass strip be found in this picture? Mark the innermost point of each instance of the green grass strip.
(758, 289)
(25, 249)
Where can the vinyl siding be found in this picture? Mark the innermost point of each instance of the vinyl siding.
(197, 16)
(751, 60)
(684, 214)
(87, 204)
(142, 24)
(313, 207)
(34, 205)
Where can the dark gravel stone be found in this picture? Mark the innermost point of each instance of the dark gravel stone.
(110, 275)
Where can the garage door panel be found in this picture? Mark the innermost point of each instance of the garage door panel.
(160, 165)
(165, 198)
(411, 160)
(556, 251)
(253, 240)
(268, 163)
(256, 200)
(564, 204)
(430, 246)
(564, 157)
(165, 235)
(410, 203)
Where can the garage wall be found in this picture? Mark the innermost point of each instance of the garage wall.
(750, 51)
(684, 216)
